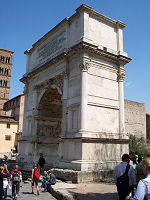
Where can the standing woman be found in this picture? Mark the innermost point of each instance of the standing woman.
(35, 178)
(2, 176)
(143, 188)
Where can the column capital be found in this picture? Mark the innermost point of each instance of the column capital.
(84, 65)
(65, 75)
(121, 75)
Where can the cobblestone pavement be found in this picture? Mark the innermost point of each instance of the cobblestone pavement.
(25, 193)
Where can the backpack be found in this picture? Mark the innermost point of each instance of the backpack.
(36, 175)
(16, 177)
(123, 181)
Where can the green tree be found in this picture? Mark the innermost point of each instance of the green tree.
(137, 146)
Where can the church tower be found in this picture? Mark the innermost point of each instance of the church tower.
(5, 75)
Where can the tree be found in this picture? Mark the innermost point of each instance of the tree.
(137, 146)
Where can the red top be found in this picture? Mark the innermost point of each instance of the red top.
(19, 172)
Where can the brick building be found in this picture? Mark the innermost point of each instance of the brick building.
(8, 125)
(5, 75)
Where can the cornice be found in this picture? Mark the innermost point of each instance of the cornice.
(90, 48)
(5, 87)
(91, 11)
(4, 99)
(76, 49)
(67, 20)
(97, 140)
(4, 75)
(6, 50)
(6, 64)
(26, 76)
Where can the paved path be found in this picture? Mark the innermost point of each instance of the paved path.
(25, 193)
(85, 191)
(95, 191)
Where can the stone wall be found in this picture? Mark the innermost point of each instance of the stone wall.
(135, 118)
(148, 126)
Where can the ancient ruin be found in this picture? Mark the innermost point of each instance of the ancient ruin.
(74, 99)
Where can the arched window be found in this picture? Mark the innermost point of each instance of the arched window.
(6, 71)
(2, 58)
(5, 83)
(1, 70)
(0, 82)
(7, 59)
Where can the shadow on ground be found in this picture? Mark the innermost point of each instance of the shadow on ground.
(95, 196)
(9, 197)
(26, 192)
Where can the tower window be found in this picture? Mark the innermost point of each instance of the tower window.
(0, 82)
(1, 70)
(6, 71)
(7, 59)
(5, 83)
(2, 58)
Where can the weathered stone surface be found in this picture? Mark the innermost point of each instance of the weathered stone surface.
(135, 118)
(83, 176)
(74, 100)
(148, 126)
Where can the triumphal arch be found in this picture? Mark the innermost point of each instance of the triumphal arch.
(74, 101)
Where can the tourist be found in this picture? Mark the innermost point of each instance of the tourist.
(124, 177)
(52, 180)
(6, 185)
(41, 162)
(35, 178)
(139, 171)
(2, 176)
(143, 188)
(5, 158)
(45, 180)
(16, 178)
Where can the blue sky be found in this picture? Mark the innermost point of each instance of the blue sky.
(23, 22)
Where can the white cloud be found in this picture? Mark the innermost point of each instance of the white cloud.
(127, 84)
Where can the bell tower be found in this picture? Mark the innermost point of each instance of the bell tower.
(5, 75)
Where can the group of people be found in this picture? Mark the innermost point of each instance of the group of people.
(13, 180)
(48, 179)
(127, 179)
(125, 176)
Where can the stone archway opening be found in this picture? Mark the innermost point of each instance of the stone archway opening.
(49, 125)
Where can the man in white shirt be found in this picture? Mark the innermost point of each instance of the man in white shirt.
(119, 171)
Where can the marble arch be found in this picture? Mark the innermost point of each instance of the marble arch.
(49, 119)
(81, 63)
